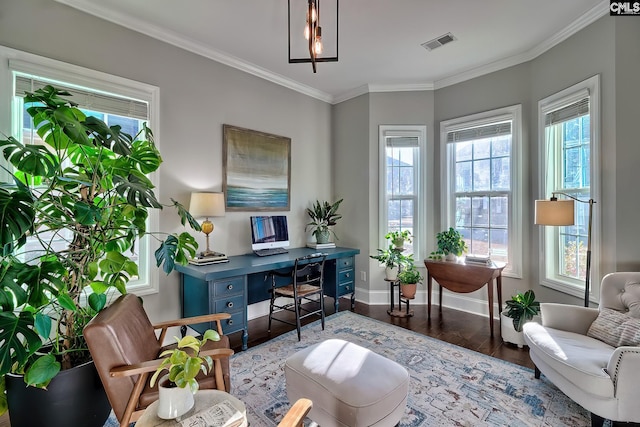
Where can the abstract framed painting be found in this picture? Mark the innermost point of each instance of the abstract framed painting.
(257, 170)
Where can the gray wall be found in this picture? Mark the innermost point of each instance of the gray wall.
(335, 148)
(197, 96)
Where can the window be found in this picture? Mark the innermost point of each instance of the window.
(112, 99)
(568, 123)
(482, 186)
(401, 179)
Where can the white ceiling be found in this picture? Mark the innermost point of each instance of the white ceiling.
(380, 40)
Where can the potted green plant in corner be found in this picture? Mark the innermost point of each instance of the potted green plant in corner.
(398, 238)
(520, 309)
(393, 260)
(323, 215)
(77, 206)
(450, 245)
(183, 363)
(409, 277)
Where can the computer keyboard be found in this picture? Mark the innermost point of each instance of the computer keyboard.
(271, 251)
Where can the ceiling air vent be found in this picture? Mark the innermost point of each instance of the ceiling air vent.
(438, 41)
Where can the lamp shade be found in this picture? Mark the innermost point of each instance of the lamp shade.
(205, 205)
(554, 212)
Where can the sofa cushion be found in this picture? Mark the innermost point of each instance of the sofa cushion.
(615, 328)
(579, 358)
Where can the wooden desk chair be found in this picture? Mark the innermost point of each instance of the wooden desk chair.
(295, 416)
(305, 283)
(125, 349)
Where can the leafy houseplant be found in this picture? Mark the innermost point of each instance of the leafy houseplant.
(183, 365)
(398, 237)
(409, 278)
(522, 308)
(323, 215)
(82, 197)
(449, 242)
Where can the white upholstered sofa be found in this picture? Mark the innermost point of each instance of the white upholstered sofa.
(569, 348)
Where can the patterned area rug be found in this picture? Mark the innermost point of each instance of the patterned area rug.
(449, 385)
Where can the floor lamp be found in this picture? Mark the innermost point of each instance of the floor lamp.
(561, 212)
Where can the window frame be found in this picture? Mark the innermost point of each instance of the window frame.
(13, 62)
(448, 205)
(549, 268)
(420, 183)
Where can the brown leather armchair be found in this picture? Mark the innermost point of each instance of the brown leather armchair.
(125, 349)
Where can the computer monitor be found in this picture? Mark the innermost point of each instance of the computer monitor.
(269, 232)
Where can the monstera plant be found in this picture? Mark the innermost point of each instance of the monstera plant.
(76, 208)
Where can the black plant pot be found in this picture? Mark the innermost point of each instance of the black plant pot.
(75, 397)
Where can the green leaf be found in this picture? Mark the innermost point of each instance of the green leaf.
(42, 325)
(87, 214)
(42, 370)
(34, 160)
(109, 137)
(186, 216)
(146, 156)
(137, 189)
(175, 249)
(19, 340)
(48, 277)
(66, 302)
(97, 301)
(17, 217)
(211, 335)
(4, 406)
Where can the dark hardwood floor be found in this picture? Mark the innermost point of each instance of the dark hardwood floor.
(456, 327)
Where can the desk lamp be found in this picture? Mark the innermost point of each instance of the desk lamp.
(561, 212)
(206, 205)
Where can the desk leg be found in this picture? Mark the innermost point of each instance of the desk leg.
(440, 297)
(429, 286)
(245, 339)
(499, 289)
(490, 298)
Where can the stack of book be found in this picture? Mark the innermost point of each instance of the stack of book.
(314, 245)
(477, 259)
(214, 258)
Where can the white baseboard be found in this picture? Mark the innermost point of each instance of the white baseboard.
(463, 302)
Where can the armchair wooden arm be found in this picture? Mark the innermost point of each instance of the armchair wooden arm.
(295, 416)
(216, 317)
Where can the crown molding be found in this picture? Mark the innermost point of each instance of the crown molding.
(190, 45)
(193, 46)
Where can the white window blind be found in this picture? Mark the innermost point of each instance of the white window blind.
(480, 132)
(88, 99)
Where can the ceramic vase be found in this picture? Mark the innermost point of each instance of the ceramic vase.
(323, 236)
(391, 273)
(173, 401)
(450, 257)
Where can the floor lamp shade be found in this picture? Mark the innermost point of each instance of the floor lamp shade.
(554, 212)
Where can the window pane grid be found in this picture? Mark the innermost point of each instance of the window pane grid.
(482, 172)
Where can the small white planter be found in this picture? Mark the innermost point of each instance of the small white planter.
(451, 257)
(391, 273)
(508, 332)
(173, 401)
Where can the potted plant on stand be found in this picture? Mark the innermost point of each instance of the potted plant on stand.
(323, 215)
(398, 238)
(409, 277)
(393, 259)
(77, 207)
(450, 245)
(520, 309)
(184, 363)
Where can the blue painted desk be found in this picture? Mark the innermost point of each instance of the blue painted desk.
(230, 287)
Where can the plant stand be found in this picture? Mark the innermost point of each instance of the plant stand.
(397, 311)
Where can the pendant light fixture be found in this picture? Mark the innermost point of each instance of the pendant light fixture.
(314, 42)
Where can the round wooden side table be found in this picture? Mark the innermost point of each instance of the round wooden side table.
(204, 399)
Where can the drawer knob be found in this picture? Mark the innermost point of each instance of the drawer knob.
(230, 304)
(348, 275)
(348, 288)
(229, 286)
(230, 322)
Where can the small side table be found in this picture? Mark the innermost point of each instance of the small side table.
(397, 311)
(204, 399)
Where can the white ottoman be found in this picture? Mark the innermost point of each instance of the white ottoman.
(349, 385)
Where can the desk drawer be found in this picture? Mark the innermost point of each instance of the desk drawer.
(229, 304)
(344, 263)
(345, 276)
(345, 288)
(230, 286)
(234, 324)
